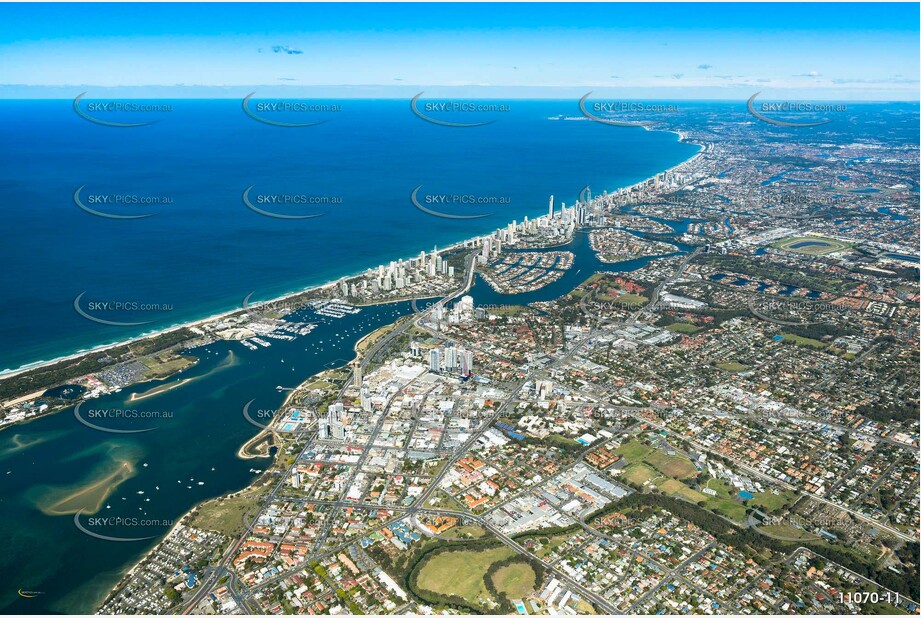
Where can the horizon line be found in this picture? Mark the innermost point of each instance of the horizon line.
(105, 91)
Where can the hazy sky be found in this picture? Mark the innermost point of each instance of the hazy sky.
(682, 50)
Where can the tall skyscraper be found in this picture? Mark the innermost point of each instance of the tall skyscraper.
(466, 362)
(365, 398)
(356, 370)
(335, 418)
(451, 358)
(544, 389)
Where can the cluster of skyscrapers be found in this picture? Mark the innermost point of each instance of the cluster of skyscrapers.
(449, 359)
(559, 224)
(398, 275)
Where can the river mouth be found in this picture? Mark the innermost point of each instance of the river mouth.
(55, 468)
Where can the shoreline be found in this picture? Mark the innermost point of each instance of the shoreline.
(12, 372)
(269, 430)
(180, 523)
(266, 431)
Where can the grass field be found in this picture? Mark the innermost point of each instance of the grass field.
(720, 486)
(768, 501)
(667, 471)
(677, 488)
(585, 287)
(638, 473)
(722, 503)
(227, 516)
(463, 532)
(516, 580)
(806, 341)
(654, 461)
(550, 544)
(732, 366)
(461, 573)
(724, 506)
(439, 500)
(633, 451)
(584, 608)
(368, 341)
(677, 467)
(592, 279)
(507, 309)
(323, 384)
(883, 609)
(162, 366)
(556, 439)
(811, 245)
(682, 327)
(633, 300)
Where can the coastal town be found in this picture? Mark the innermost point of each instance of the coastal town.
(730, 426)
(440, 309)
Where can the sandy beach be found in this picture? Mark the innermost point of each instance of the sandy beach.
(8, 373)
